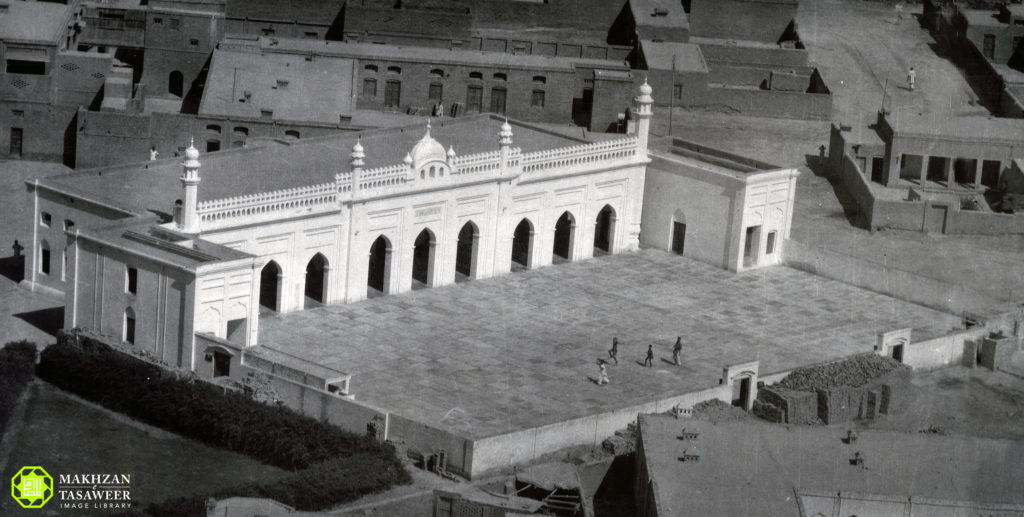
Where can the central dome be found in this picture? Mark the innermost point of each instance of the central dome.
(427, 150)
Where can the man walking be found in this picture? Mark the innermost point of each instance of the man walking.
(911, 77)
(603, 375)
(649, 361)
(613, 352)
(677, 349)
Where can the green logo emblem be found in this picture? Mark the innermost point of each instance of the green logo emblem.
(31, 487)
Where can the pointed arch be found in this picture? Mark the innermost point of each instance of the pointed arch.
(423, 256)
(522, 244)
(128, 331)
(316, 280)
(604, 229)
(270, 286)
(565, 236)
(467, 250)
(378, 278)
(176, 83)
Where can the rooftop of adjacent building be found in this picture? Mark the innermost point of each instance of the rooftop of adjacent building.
(667, 55)
(659, 13)
(399, 53)
(320, 12)
(266, 165)
(984, 17)
(245, 84)
(753, 467)
(144, 237)
(41, 22)
(949, 125)
(716, 160)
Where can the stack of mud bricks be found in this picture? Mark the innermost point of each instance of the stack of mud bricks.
(786, 406)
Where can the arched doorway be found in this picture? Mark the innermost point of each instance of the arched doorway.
(316, 280)
(380, 261)
(604, 229)
(522, 241)
(270, 280)
(565, 230)
(465, 252)
(176, 83)
(423, 258)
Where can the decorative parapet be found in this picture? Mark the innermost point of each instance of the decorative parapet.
(242, 209)
(619, 149)
(484, 162)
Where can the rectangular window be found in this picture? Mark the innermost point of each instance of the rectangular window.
(45, 219)
(474, 98)
(392, 94)
(18, 113)
(988, 47)
(312, 35)
(131, 280)
(68, 224)
(537, 99)
(158, 21)
(193, 42)
(282, 84)
(771, 243)
(269, 31)
(435, 92)
(266, 114)
(174, 23)
(677, 91)
(498, 101)
(370, 87)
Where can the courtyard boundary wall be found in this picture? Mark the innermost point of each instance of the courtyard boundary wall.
(522, 446)
(943, 351)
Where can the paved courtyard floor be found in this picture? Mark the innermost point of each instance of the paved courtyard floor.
(493, 356)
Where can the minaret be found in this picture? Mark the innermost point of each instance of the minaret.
(357, 165)
(189, 222)
(505, 141)
(642, 110)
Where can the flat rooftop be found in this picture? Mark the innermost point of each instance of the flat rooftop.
(950, 125)
(674, 16)
(488, 357)
(982, 17)
(753, 467)
(320, 12)
(266, 165)
(40, 22)
(659, 56)
(398, 53)
(242, 84)
(168, 247)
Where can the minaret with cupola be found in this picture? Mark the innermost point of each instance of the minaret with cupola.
(505, 143)
(189, 222)
(643, 111)
(358, 162)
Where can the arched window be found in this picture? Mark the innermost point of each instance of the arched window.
(394, 69)
(370, 68)
(176, 83)
(213, 128)
(292, 133)
(476, 75)
(128, 335)
(44, 257)
(540, 79)
(437, 72)
(500, 77)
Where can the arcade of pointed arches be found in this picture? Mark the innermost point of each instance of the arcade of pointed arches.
(424, 267)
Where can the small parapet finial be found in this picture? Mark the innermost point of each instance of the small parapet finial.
(428, 125)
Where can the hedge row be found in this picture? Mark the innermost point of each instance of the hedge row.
(17, 362)
(271, 434)
(320, 487)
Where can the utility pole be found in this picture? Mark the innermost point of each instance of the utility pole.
(672, 96)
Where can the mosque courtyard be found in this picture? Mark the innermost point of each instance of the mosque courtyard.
(492, 356)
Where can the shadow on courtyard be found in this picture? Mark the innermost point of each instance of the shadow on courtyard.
(851, 212)
(13, 268)
(48, 320)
